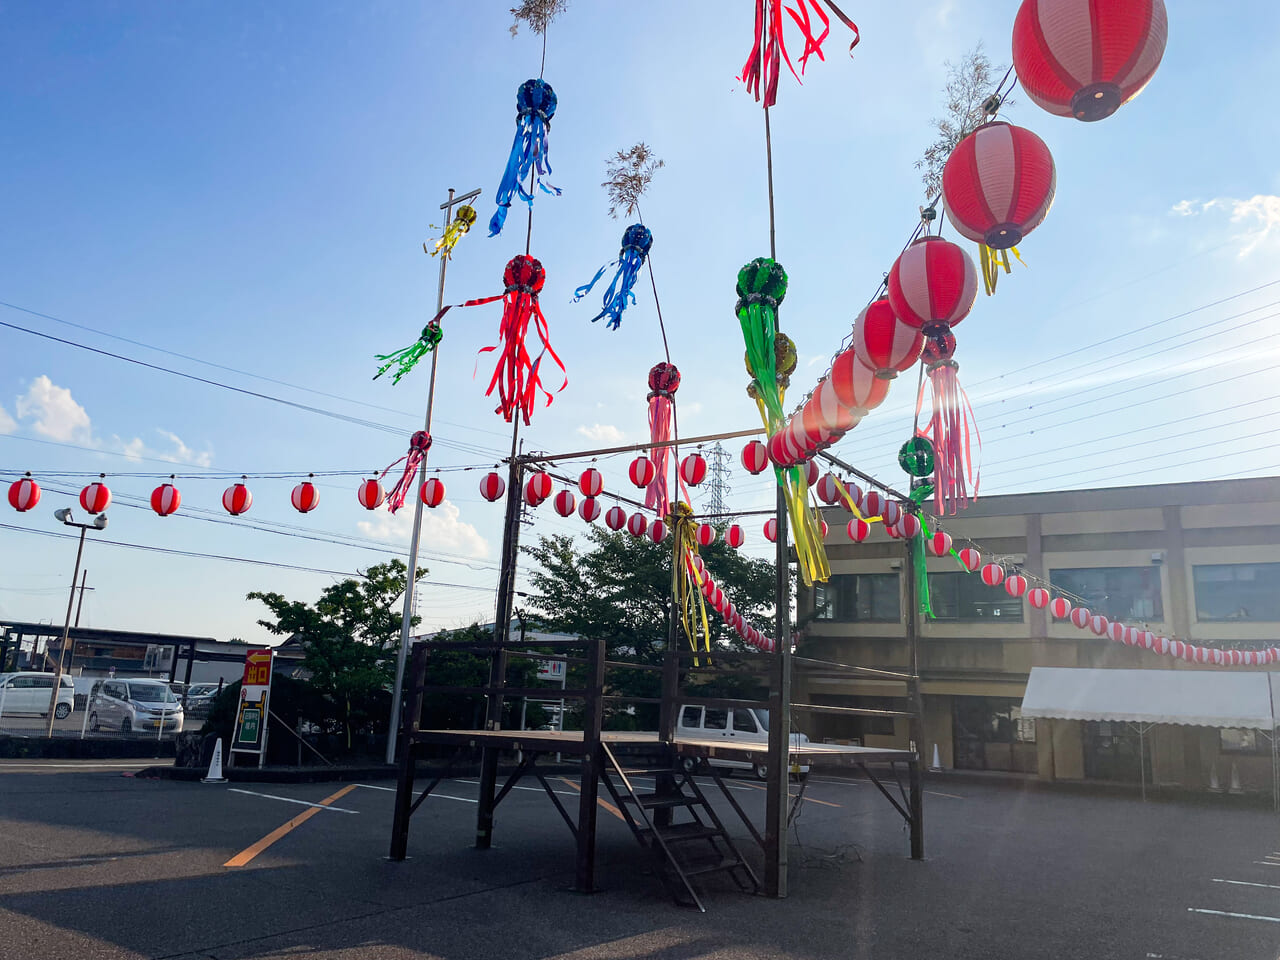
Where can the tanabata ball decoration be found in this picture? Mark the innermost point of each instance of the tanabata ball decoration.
(1015, 585)
(1080, 616)
(932, 283)
(636, 241)
(693, 469)
(535, 106)
(462, 222)
(419, 446)
(952, 428)
(992, 574)
(755, 458)
(828, 489)
(565, 503)
(916, 457)
(883, 342)
(706, 535)
(1060, 607)
(370, 494)
(1076, 58)
(637, 525)
(615, 518)
(591, 483)
(95, 498)
(971, 559)
(589, 509)
(406, 358)
(642, 471)
(165, 499)
(492, 486)
(657, 531)
(763, 68)
(1038, 597)
(858, 530)
(306, 498)
(24, 494)
(432, 492)
(771, 530)
(940, 543)
(998, 185)
(734, 536)
(236, 499)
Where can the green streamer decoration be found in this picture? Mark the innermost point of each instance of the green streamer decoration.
(427, 341)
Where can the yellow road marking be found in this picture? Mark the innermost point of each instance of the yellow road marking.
(602, 802)
(248, 853)
(807, 799)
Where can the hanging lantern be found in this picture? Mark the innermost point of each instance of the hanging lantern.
(565, 503)
(971, 558)
(998, 185)
(1119, 633)
(591, 483)
(1084, 60)
(637, 525)
(24, 494)
(838, 419)
(952, 429)
(940, 543)
(755, 458)
(908, 526)
(1015, 585)
(693, 469)
(858, 530)
(664, 381)
(236, 499)
(933, 282)
(992, 574)
(811, 473)
(642, 471)
(589, 509)
(657, 531)
(828, 489)
(1060, 607)
(1038, 597)
(734, 536)
(873, 503)
(822, 526)
(538, 488)
(706, 535)
(771, 530)
(615, 518)
(1080, 616)
(370, 494)
(854, 491)
(306, 498)
(492, 486)
(95, 498)
(883, 342)
(892, 530)
(856, 385)
(432, 492)
(1099, 624)
(165, 499)
(891, 512)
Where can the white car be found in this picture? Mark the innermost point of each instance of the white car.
(739, 725)
(135, 706)
(29, 693)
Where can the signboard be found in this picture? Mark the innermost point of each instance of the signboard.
(551, 669)
(250, 734)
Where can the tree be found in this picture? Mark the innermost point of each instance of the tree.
(349, 638)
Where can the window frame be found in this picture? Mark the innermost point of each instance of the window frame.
(1105, 608)
(1195, 591)
(961, 579)
(847, 588)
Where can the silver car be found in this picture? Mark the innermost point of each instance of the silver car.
(135, 706)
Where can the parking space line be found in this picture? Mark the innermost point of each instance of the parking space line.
(602, 802)
(1239, 916)
(563, 793)
(249, 852)
(807, 799)
(1267, 863)
(1246, 883)
(305, 803)
(442, 796)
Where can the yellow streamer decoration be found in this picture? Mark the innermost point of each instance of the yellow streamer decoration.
(462, 222)
(992, 263)
(686, 581)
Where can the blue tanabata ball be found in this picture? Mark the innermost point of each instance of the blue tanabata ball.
(637, 235)
(536, 96)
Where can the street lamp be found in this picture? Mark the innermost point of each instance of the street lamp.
(99, 523)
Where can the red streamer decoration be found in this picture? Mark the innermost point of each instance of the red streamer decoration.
(957, 445)
(664, 381)
(419, 444)
(769, 51)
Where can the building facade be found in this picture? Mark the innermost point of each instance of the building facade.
(1197, 562)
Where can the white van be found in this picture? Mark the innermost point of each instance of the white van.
(740, 725)
(30, 692)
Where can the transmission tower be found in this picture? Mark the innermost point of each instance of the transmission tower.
(718, 460)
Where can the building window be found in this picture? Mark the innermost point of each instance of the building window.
(1119, 593)
(1237, 591)
(962, 596)
(1243, 742)
(990, 733)
(858, 597)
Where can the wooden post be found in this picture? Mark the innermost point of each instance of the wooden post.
(408, 755)
(916, 724)
(592, 721)
(777, 803)
(916, 800)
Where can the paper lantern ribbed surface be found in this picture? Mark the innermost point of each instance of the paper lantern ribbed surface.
(811, 473)
(589, 509)
(933, 282)
(236, 499)
(1080, 616)
(591, 483)
(734, 536)
(432, 492)
(891, 512)
(1083, 59)
(1038, 597)
(1099, 624)
(908, 525)
(657, 531)
(693, 469)
(836, 416)
(95, 498)
(637, 524)
(883, 342)
(998, 184)
(940, 543)
(873, 503)
(1060, 607)
(305, 497)
(1119, 633)
(642, 471)
(165, 499)
(828, 488)
(771, 530)
(24, 494)
(706, 535)
(370, 494)
(492, 486)
(565, 503)
(1015, 585)
(537, 489)
(615, 518)
(755, 458)
(971, 558)
(858, 530)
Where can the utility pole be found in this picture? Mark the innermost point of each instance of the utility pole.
(99, 523)
(411, 576)
(80, 604)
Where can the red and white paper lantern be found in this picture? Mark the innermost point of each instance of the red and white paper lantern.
(565, 503)
(236, 499)
(873, 503)
(1099, 624)
(589, 509)
(837, 418)
(1060, 607)
(1038, 597)
(755, 458)
(591, 483)
(537, 489)
(823, 528)
(637, 524)
(998, 184)
(492, 486)
(615, 518)
(432, 491)
(706, 535)
(734, 536)
(811, 473)
(95, 498)
(306, 498)
(165, 499)
(891, 512)
(855, 384)
(693, 469)
(992, 574)
(828, 489)
(24, 494)
(1080, 617)
(1120, 633)
(908, 526)
(1015, 585)
(971, 558)
(642, 471)
(657, 531)
(933, 282)
(883, 342)
(771, 530)
(370, 494)
(940, 543)
(858, 530)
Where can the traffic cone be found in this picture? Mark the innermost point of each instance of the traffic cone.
(937, 761)
(1235, 787)
(215, 766)
(1214, 786)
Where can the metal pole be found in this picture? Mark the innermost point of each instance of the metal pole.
(411, 575)
(66, 632)
(916, 724)
(80, 604)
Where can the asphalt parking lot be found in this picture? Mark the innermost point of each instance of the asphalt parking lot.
(97, 864)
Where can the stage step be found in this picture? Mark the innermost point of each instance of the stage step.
(662, 801)
(683, 832)
(728, 863)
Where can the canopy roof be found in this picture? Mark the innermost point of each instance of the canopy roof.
(1200, 698)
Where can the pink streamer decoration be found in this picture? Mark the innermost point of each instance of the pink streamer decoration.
(419, 444)
(957, 445)
(661, 417)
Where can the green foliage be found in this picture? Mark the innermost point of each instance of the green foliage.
(465, 711)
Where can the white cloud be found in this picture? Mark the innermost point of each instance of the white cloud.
(178, 451)
(7, 423)
(1258, 216)
(441, 530)
(56, 414)
(602, 433)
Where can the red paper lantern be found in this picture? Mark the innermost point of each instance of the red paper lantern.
(306, 498)
(1038, 597)
(771, 530)
(693, 469)
(734, 536)
(811, 473)
(589, 509)
(854, 491)
(780, 455)
(492, 486)
(1015, 585)
(591, 483)
(370, 494)
(998, 184)
(1099, 624)
(1060, 607)
(971, 558)
(933, 282)
(24, 494)
(1076, 58)
(706, 535)
(565, 503)
(992, 574)
(642, 471)
(755, 458)
(818, 435)
(823, 528)
(883, 342)
(1080, 616)
(1119, 633)
(615, 518)
(165, 499)
(657, 531)
(828, 489)
(891, 513)
(855, 383)
(95, 498)
(432, 492)
(940, 543)
(637, 524)
(873, 503)
(838, 418)
(236, 499)
(858, 530)
(537, 489)
(908, 526)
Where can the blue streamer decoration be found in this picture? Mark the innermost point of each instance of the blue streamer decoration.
(636, 242)
(535, 106)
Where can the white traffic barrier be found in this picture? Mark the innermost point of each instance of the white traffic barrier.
(1214, 785)
(215, 766)
(1235, 787)
(937, 761)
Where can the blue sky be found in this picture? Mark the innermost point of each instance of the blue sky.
(251, 187)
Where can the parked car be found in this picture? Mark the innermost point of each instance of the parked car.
(29, 693)
(135, 706)
(199, 699)
(739, 725)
